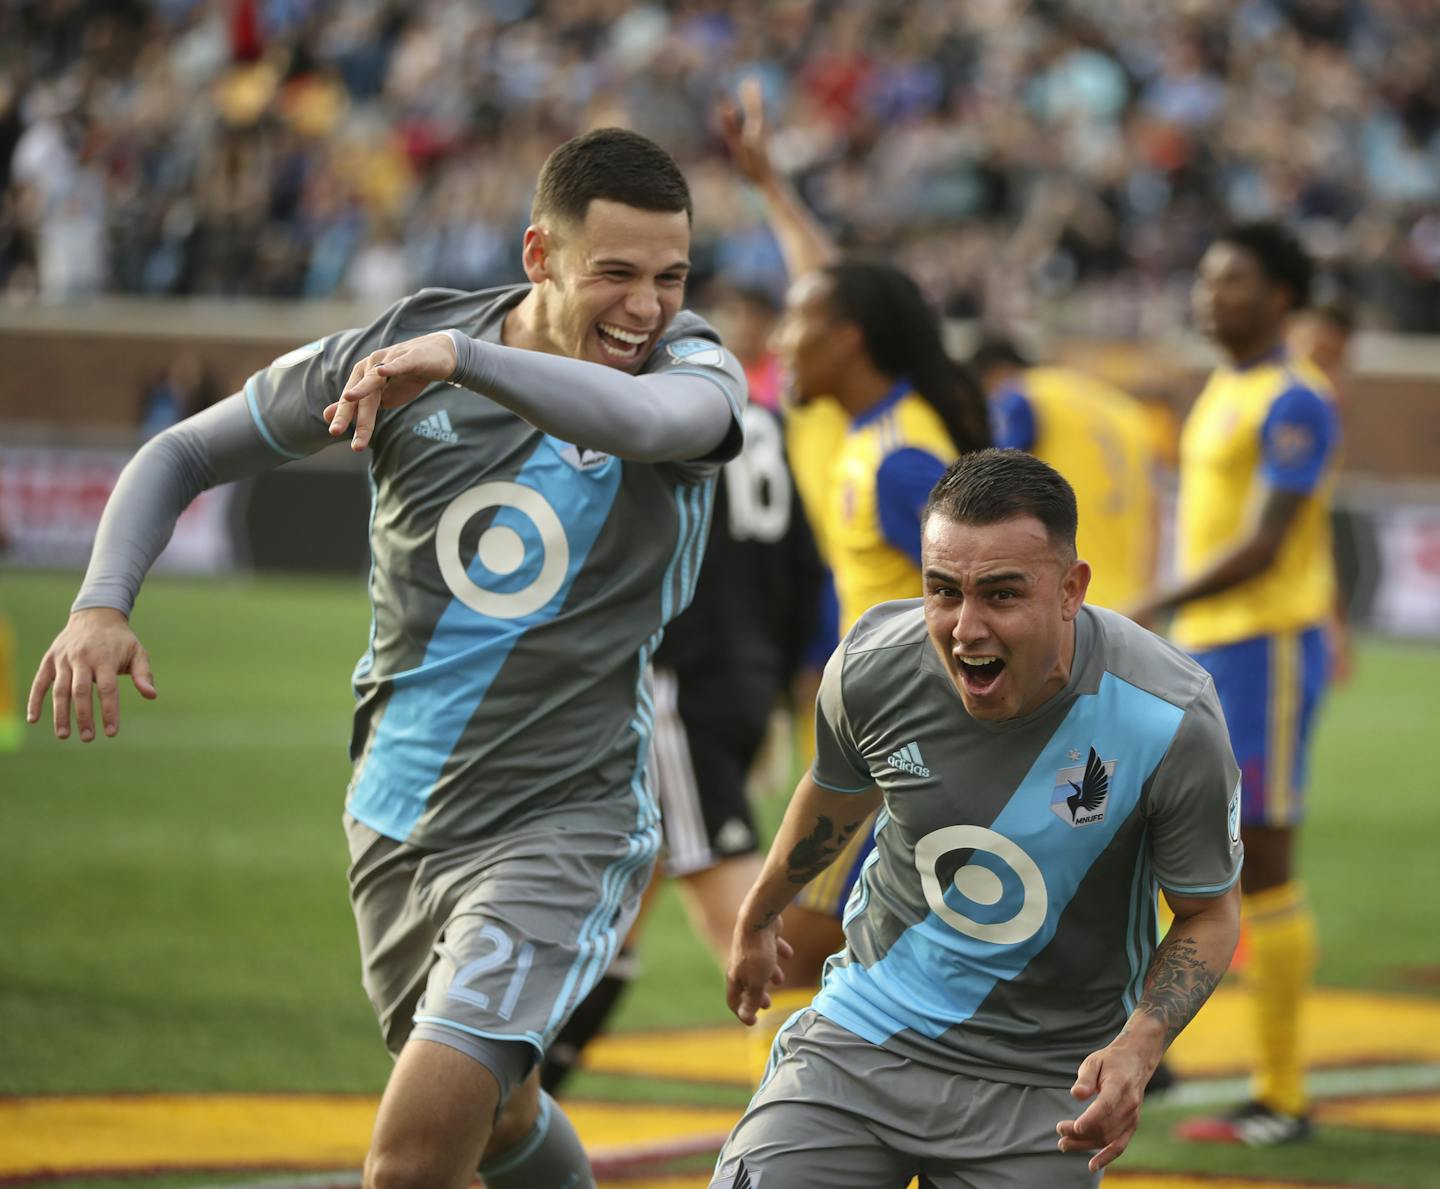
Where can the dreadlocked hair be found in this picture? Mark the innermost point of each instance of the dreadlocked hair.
(902, 337)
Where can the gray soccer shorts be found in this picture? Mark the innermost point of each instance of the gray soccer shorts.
(495, 940)
(837, 1112)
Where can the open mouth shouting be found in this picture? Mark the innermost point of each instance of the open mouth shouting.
(620, 346)
(980, 672)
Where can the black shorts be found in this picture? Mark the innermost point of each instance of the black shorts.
(706, 738)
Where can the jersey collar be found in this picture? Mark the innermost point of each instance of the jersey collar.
(882, 406)
(1276, 354)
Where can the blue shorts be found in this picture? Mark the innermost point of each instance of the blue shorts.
(1269, 689)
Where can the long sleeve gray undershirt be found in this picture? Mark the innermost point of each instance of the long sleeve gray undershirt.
(216, 446)
(645, 418)
(648, 418)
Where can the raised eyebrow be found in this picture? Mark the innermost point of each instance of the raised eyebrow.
(1011, 577)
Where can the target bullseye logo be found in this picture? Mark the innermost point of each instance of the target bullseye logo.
(502, 550)
(980, 885)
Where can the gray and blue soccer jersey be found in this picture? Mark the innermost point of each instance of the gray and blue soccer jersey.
(520, 584)
(1005, 921)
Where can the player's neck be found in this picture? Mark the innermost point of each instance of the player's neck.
(1241, 355)
(1059, 676)
(862, 389)
(527, 326)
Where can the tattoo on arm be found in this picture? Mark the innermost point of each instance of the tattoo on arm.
(817, 850)
(1176, 985)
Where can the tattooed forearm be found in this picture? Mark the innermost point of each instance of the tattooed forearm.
(813, 853)
(1176, 986)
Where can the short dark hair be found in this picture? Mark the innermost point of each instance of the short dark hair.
(992, 485)
(1338, 311)
(995, 350)
(610, 163)
(1278, 253)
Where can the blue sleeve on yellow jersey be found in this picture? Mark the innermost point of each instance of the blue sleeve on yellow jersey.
(1012, 420)
(1299, 436)
(902, 485)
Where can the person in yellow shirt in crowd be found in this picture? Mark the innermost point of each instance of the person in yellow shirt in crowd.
(879, 410)
(1255, 590)
(1100, 439)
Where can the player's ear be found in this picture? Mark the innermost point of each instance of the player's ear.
(849, 338)
(535, 253)
(1073, 587)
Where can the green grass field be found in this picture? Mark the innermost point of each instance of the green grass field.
(173, 909)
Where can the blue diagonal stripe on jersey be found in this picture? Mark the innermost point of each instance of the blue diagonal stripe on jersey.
(598, 939)
(935, 977)
(431, 704)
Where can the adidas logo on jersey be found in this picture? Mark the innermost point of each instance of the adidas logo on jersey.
(437, 428)
(908, 759)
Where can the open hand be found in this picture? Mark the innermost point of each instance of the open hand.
(1114, 1077)
(387, 379)
(89, 654)
(754, 967)
(742, 127)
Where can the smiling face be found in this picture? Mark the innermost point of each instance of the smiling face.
(608, 286)
(1000, 605)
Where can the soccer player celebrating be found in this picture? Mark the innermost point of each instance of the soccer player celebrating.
(529, 543)
(1042, 766)
(882, 409)
(1256, 590)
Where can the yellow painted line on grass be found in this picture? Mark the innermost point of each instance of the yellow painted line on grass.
(1338, 1028)
(1341, 1028)
(1418, 1113)
(77, 1134)
(1132, 1180)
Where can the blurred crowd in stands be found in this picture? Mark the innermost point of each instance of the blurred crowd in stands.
(1059, 157)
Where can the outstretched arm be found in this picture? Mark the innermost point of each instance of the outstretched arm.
(97, 646)
(804, 243)
(1186, 968)
(817, 826)
(667, 416)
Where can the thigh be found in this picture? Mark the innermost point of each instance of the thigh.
(1005, 1139)
(809, 1125)
(531, 930)
(396, 930)
(806, 1145)
(1258, 683)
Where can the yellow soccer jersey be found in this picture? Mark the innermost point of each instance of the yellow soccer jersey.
(1101, 440)
(1272, 424)
(814, 434)
(878, 483)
